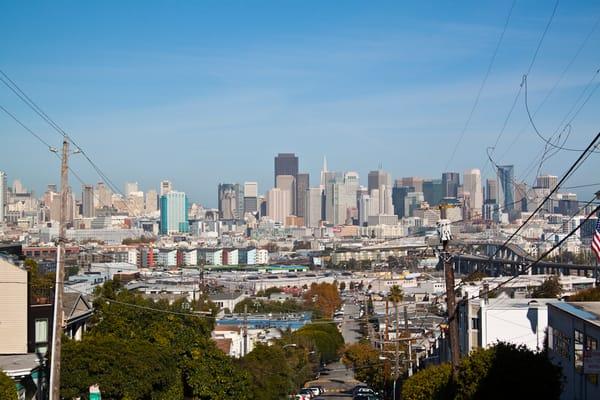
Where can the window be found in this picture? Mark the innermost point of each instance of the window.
(560, 343)
(578, 350)
(475, 323)
(591, 344)
(41, 330)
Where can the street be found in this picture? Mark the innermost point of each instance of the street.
(338, 381)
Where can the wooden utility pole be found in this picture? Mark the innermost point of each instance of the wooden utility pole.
(445, 237)
(58, 322)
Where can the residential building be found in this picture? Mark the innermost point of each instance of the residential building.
(13, 308)
(167, 257)
(573, 337)
(521, 321)
(230, 257)
(247, 256)
(262, 256)
(173, 213)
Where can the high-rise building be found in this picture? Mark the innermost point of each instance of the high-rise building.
(104, 196)
(379, 178)
(18, 187)
(231, 201)
(412, 181)
(3, 196)
(450, 184)
(250, 197)
(151, 205)
(130, 187)
(340, 196)
(324, 172)
(278, 204)
(288, 183)
(521, 193)
(173, 213)
(546, 181)
(399, 194)
(286, 164)
(313, 200)
(302, 185)
(87, 201)
(472, 186)
(506, 188)
(491, 191)
(165, 187)
(433, 191)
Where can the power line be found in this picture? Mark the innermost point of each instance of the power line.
(571, 169)
(478, 96)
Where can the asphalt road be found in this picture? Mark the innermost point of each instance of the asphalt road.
(337, 380)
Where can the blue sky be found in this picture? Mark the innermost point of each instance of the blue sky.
(208, 92)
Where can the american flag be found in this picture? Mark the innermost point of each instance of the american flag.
(596, 240)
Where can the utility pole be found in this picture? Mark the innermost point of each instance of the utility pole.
(245, 332)
(407, 333)
(60, 276)
(445, 234)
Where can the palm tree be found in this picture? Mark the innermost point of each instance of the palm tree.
(395, 296)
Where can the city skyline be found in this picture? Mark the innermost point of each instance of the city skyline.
(383, 81)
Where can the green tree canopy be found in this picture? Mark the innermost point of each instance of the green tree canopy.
(270, 372)
(550, 288)
(367, 366)
(494, 373)
(8, 389)
(326, 338)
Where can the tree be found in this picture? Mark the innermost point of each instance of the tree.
(550, 288)
(323, 298)
(591, 294)
(8, 389)
(326, 338)
(432, 383)
(211, 374)
(475, 276)
(123, 369)
(368, 368)
(493, 373)
(270, 373)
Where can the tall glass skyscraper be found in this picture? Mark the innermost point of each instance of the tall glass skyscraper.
(173, 213)
(506, 188)
(286, 164)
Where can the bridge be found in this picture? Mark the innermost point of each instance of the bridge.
(512, 260)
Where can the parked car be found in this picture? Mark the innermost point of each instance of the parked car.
(307, 393)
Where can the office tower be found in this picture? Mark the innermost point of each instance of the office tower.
(151, 205)
(546, 181)
(324, 172)
(130, 187)
(378, 178)
(521, 193)
(278, 204)
(18, 188)
(412, 202)
(364, 209)
(3, 196)
(173, 213)
(231, 201)
(165, 187)
(312, 207)
(491, 191)
(302, 185)
(286, 164)
(250, 197)
(412, 181)
(506, 188)
(399, 194)
(104, 196)
(472, 186)
(433, 191)
(288, 183)
(340, 195)
(87, 201)
(450, 184)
